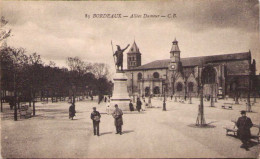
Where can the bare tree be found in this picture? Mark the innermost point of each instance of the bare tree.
(52, 64)
(4, 33)
(35, 59)
(75, 64)
(100, 70)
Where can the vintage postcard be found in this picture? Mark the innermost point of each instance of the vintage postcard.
(130, 79)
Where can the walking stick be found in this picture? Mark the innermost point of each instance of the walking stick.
(113, 53)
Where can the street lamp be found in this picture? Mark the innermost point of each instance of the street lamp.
(249, 91)
(164, 103)
(132, 83)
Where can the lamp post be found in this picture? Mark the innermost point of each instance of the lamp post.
(249, 91)
(185, 88)
(132, 84)
(164, 103)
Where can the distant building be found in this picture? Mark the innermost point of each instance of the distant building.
(225, 74)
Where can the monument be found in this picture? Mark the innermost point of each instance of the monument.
(120, 95)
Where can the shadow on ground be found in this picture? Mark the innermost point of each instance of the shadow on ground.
(202, 126)
(105, 133)
(127, 131)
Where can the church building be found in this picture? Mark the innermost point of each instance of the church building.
(219, 75)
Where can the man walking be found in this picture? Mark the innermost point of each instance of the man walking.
(72, 111)
(138, 104)
(95, 116)
(244, 124)
(131, 106)
(117, 114)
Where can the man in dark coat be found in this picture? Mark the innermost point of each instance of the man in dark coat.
(244, 124)
(131, 106)
(138, 104)
(95, 116)
(117, 114)
(72, 111)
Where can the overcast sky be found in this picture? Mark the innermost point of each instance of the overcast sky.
(57, 30)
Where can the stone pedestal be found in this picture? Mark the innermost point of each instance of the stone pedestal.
(120, 94)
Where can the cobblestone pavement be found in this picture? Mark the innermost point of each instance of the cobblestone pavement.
(151, 133)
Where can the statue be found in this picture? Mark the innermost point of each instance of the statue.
(119, 56)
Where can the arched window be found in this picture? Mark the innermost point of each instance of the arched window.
(139, 76)
(156, 90)
(179, 87)
(156, 75)
(147, 91)
(190, 86)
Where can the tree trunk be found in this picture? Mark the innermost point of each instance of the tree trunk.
(34, 104)
(236, 98)
(33, 108)
(200, 118)
(1, 103)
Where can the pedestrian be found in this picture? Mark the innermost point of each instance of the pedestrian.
(108, 107)
(72, 111)
(143, 106)
(138, 104)
(99, 98)
(150, 101)
(244, 124)
(131, 106)
(105, 100)
(117, 114)
(95, 116)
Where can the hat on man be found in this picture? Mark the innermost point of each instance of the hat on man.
(94, 108)
(243, 112)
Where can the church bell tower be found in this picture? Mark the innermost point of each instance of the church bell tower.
(175, 57)
(133, 57)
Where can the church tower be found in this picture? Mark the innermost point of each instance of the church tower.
(133, 57)
(175, 56)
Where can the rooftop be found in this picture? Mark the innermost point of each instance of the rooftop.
(195, 61)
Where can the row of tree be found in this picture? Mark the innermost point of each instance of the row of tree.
(28, 77)
(28, 74)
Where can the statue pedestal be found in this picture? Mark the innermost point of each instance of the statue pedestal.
(120, 94)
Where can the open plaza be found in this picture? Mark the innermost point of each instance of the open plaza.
(151, 133)
(130, 79)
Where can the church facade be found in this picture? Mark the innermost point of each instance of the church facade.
(219, 75)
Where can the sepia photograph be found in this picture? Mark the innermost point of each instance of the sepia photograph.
(130, 79)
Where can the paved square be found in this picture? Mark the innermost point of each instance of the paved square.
(152, 133)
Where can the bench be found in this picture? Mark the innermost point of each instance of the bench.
(181, 101)
(227, 106)
(251, 103)
(25, 111)
(233, 129)
(255, 134)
